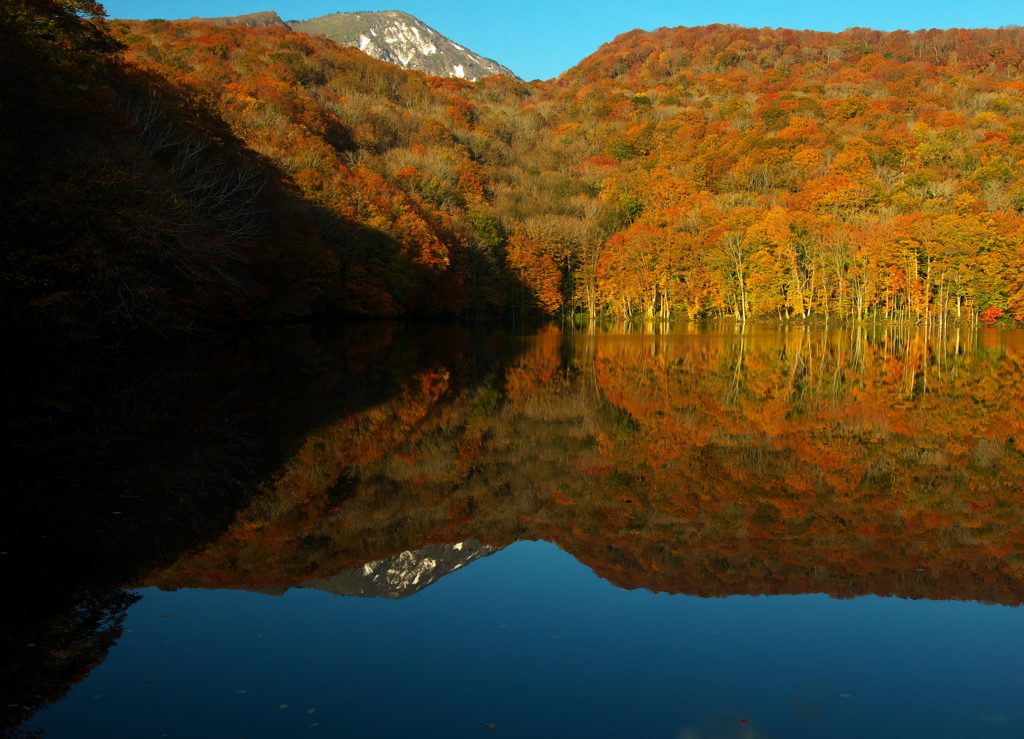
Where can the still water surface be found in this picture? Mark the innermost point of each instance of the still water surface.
(533, 642)
(689, 535)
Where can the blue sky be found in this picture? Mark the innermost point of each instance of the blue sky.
(539, 39)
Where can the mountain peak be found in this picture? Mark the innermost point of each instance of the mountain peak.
(402, 39)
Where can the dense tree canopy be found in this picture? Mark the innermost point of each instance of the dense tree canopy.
(209, 174)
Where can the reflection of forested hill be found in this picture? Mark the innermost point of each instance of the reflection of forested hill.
(121, 461)
(711, 464)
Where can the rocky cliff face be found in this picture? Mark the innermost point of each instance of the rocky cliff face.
(401, 39)
(406, 574)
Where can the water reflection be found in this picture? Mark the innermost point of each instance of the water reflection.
(406, 574)
(120, 460)
(376, 461)
(756, 462)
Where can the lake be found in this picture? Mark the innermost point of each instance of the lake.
(668, 530)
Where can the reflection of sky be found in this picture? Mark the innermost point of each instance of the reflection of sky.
(531, 641)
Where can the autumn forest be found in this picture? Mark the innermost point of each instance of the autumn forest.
(723, 313)
(167, 176)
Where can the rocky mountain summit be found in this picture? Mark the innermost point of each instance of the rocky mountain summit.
(401, 39)
(390, 35)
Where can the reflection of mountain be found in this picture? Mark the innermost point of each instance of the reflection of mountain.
(846, 463)
(121, 461)
(406, 574)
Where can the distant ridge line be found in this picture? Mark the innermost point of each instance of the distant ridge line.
(252, 20)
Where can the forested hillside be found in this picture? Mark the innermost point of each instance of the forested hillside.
(797, 173)
(163, 176)
(198, 178)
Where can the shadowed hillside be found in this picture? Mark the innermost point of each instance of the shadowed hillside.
(706, 173)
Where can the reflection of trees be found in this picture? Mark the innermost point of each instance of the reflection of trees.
(119, 463)
(41, 661)
(844, 462)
